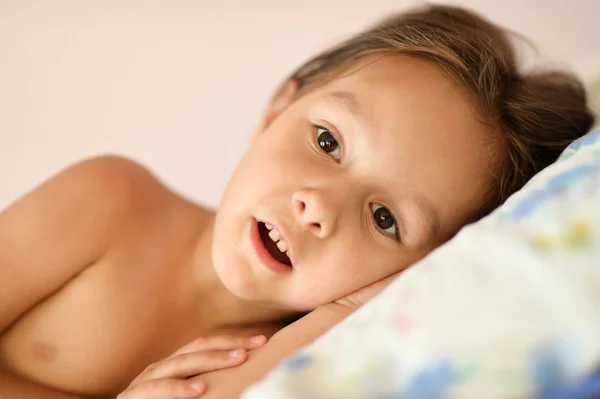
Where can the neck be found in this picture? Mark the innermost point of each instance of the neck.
(220, 308)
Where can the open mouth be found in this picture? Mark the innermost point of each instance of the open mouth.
(276, 247)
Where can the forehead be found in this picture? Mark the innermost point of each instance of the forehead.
(421, 132)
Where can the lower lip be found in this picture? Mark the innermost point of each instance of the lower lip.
(262, 254)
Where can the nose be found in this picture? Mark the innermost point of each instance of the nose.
(315, 211)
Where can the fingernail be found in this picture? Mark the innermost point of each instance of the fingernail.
(257, 339)
(197, 386)
(236, 353)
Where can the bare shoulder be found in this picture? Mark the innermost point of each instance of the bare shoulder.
(100, 194)
(118, 188)
(95, 190)
(82, 210)
(128, 189)
(123, 179)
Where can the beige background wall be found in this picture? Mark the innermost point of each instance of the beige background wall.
(179, 85)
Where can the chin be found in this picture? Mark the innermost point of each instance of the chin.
(229, 273)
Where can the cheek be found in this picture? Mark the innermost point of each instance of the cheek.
(354, 267)
(270, 159)
(265, 173)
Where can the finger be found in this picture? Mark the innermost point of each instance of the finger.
(188, 364)
(222, 342)
(166, 389)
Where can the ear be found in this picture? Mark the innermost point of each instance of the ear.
(281, 101)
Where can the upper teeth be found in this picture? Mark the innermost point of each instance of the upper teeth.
(274, 234)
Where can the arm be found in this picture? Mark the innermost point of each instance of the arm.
(49, 236)
(12, 387)
(171, 377)
(230, 383)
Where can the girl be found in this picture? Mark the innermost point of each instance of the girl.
(371, 155)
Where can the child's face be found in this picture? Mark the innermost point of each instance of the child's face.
(396, 137)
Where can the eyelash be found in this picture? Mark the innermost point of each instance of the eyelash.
(321, 129)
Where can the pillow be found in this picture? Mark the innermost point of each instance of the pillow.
(509, 308)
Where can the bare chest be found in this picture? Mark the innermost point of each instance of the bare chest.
(100, 330)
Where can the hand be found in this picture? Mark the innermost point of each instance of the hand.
(359, 297)
(178, 376)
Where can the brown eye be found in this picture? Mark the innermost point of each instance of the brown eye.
(385, 220)
(328, 142)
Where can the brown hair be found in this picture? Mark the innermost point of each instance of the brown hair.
(538, 114)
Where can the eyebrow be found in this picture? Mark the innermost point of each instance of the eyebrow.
(430, 215)
(348, 102)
